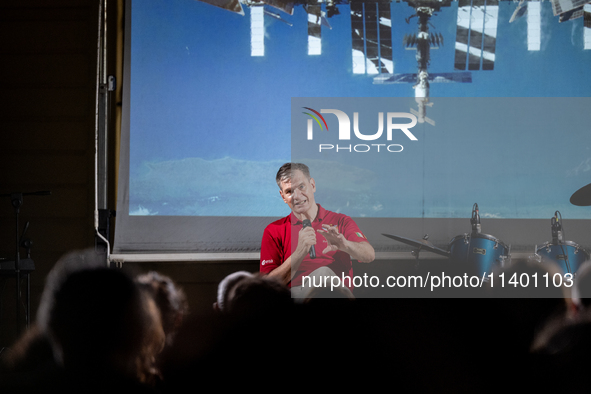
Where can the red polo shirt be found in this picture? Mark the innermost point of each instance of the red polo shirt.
(280, 239)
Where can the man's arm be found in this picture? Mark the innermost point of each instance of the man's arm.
(283, 272)
(360, 251)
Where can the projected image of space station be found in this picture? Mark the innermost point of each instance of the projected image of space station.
(498, 90)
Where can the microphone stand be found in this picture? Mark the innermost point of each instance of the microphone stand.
(557, 235)
(16, 200)
(475, 220)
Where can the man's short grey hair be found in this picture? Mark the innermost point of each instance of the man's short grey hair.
(286, 170)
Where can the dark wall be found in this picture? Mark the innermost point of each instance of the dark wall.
(47, 96)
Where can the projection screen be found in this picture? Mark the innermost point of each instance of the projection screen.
(215, 98)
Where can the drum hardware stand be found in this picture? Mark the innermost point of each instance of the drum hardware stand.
(467, 241)
(557, 236)
(581, 198)
(566, 262)
(504, 258)
(416, 252)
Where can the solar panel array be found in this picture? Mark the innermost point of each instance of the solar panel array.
(476, 34)
(371, 31)
(257, 31)
(562, 6)
(587, 26)
(371, 34)
(534, 26)
(314, 30)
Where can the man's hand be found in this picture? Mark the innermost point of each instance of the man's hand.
(360, 251)
(306, 239)
(285, 272)
(335, 240)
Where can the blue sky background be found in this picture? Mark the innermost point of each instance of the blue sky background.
(210, 124)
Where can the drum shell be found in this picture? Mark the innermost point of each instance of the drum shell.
(478, 254)
(554, 252)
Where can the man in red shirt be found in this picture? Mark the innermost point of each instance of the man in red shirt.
(287, 242)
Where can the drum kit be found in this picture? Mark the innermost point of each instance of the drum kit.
(480, 253)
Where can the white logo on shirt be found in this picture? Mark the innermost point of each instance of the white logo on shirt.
(266, 262)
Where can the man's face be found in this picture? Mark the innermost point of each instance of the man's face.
(298, 192)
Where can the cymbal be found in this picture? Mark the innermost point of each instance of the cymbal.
(423, 244)
(582, 197)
